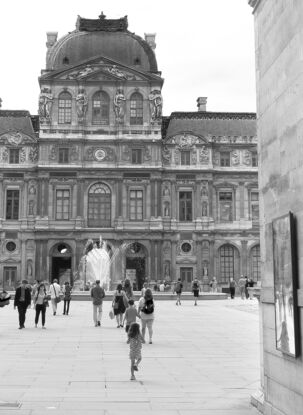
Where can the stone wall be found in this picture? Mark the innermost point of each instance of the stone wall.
(279, 70)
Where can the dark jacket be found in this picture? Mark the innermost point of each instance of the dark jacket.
(27, 297)
(97, 293)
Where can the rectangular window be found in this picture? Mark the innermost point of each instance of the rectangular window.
(62, 204)
(14, 156)
(63, 155)
(12, 204)
(225, 159)
(185, 158)
(185, 206)
(254, 159)
(226, 206)
(136, 205)
(9, 278)
(136, 156)
(254, 205)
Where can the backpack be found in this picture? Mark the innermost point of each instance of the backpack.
(178, 287)
(195, 285)
(148, 307)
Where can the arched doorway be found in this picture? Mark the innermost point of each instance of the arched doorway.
(61, 263)
(135, 264)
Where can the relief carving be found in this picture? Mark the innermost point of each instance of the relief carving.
(74, 154)
(119, 105)
(204, 155)
(247, 158)
(126, 153)
(156, 103)
(53, 153)
(166, 269)
(166, 191)
(31, 208)
(5, 154)
(166, 209)
(33, 154)
(45, 105)
(22, 155)
(166, 156)
(14, 138)
(166, 247)
(235, 158)
(81, 102)
(147, 154)
(204, 208)
(177, 156)
(193, 156)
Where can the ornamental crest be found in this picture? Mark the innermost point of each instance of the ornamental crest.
(204, 155)
(166, 156)
(14, 138)
(22, 155)
(235, 158)
(33, 154)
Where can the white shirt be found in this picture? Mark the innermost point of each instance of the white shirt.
(54, 290)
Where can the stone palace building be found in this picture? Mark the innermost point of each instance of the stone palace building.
(172, 196)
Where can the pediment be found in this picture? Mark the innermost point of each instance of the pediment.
(186, 140)
(100, 69)
(16, 138)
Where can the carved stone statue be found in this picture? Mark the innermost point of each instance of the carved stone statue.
(156, 103)
(166, 209)
(204, 208)
(119, 105)
(45, 104)
(82, 101)
(31, 208)
(166, 155)
(204, 155)
(235, 158)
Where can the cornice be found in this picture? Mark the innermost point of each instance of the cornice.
(254, 4)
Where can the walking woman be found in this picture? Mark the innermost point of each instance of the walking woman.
(67, 292)
(40, 302)
(128, 289)
(146, 309)
(120, 302)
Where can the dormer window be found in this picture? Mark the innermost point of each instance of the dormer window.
(225, 159)
(14, 155)
(101, 108)
(65, 108)
(185, 158)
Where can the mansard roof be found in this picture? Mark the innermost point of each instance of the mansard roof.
(17, 120)
(205, 123)
(106, 37)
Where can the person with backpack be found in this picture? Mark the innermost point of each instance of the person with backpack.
(146, 310)
(97, 294)
(178, 291)
(119, 304)
(67, 292)
(196, 289)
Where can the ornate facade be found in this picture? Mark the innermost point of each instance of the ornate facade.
(172, 196)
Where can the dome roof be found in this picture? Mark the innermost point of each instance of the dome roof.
(112, 42)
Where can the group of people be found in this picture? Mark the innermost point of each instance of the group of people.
(243, 283)
(126, 314)
(39, 295)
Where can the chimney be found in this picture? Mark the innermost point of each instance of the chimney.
(51, 39)
(150, 39)
(201, 104)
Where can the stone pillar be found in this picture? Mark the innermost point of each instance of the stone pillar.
(199, 260)
(173, 261)
(148, 202)
(241, 192)
(52, 200)
(2, 198)
(39, 197)
(212, 260)
(159, 199)
(174, 201)
(74, 200)
(243, 264)
(159, 260)
(152, 261)
(153, 198)
(24, 198)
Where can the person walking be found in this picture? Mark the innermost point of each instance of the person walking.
(97, 294)
(241, 284)
(22, 301)
(146, 310)
(196, 288)
(67, 293)
(55, 292)
(120, 301)
(250, 284)
(213, 285)
(40, 301)
(232, 288)
(130, 315)
(128, 289)
(145, 285)
(246, 287)
(135, 340)
(178, 291)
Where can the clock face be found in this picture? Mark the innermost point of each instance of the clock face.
(99, 154)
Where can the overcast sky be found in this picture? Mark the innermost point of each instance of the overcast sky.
(204, 47)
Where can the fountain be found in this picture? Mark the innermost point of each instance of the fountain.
(95, 264)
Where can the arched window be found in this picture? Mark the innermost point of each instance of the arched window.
(99, 206)
(227, 263)
(100, 108)
(255, 263)
(136, 109)
(65, 108)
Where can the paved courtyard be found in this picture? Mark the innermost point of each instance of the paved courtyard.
(204, 360)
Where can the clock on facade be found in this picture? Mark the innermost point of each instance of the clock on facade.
(99, 154)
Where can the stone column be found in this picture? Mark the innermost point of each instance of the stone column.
(24, 198)
(159, 199)
(198, 209)
(199, 260)
(174, 201)
(243, 264)
(148, 202)
(212, 260)
(159, 260)
(241, 192)
(51, 200)
(152, 261)
(2, 198)
(74, 200)
(153, 198)
(173, 260)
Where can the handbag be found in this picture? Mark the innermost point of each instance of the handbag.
(111, 315)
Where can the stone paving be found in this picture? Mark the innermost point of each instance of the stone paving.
(203, 360)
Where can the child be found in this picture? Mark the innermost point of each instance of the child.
(135, 341)
(130, 315)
